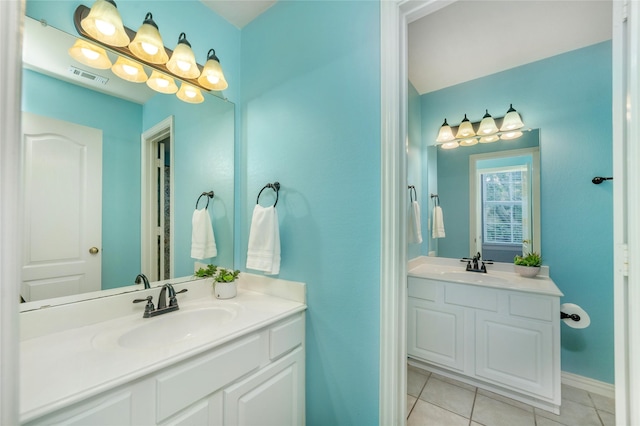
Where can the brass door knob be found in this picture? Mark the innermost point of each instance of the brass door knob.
(94, 250)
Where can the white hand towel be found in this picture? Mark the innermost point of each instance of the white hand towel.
(203, 242)
(264, 241)
(414, 228)
(437, 230)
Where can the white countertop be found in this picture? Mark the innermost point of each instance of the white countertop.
(499, 275)
(66, 364)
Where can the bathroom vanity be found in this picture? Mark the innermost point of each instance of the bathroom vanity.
(212, 362)
(495, 330)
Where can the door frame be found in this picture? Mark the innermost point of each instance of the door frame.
(164, 129)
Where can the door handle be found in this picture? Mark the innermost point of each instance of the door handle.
(94, 250)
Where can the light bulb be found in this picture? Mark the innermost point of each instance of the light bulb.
(105, 28)
(129, 69)
(149, 48)
(162, 82)
(90, 54)
(184, 65)
(213, 79)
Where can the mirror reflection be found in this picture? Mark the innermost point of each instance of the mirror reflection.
(120, 204)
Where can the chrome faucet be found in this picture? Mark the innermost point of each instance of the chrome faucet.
(163, 308)
(144, 279)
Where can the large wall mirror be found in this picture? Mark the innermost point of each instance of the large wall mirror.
(156, 156)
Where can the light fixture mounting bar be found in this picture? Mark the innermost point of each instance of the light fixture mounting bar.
(82, 11)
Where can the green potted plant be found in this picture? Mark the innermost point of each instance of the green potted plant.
(209, 271)
(528, 265)
(224, 283)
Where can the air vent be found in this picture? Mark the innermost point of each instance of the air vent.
(87, 75)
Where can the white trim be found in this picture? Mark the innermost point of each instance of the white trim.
(11, 17)
(589, 385)
(147, 197)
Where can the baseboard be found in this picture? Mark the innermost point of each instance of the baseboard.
(589, 385)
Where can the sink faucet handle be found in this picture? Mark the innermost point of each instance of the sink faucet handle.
(148, 307)
(173, 301)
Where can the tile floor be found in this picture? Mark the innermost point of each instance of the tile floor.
(435, 400)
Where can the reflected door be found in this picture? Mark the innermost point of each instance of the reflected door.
(62, 208)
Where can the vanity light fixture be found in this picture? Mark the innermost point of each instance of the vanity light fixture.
(104, 24)
(487, 125)
(89, 54)
(190, 94)
(465, 130)
(212, 76)
(445, 134)
(162, 83)
(183, 61)
(129, 70)
(489, 130)
(147, 44)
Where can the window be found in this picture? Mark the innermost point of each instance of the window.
(503, 201)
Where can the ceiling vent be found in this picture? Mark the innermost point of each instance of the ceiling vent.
(82, 74)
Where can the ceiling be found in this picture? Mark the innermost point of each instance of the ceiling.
(239, 12)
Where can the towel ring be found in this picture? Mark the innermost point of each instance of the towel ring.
(208, 195)
(275, 186)
(412, 193)
(437, 199)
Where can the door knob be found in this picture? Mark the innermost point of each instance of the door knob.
(94, 250)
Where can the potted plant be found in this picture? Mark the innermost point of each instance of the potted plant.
(224, 283)
(528, 265)
(209, 271)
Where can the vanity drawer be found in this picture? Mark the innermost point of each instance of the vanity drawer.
(527, 306)
(472, 297)
(184, 385)
(422, 289)
(286, 336)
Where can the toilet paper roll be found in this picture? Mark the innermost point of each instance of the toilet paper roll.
(571, 310)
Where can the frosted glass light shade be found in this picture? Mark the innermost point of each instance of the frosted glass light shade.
(147, 44)
(89, 54)
(104, 24)
(212, 76)
(489, 139)
(162, 83)
(514, 134)
(511, 121)
(189, 93)
(468, 142)
(465, 130)
(487, 125)
(129, 70)
(183, 61)
(445, 134)
(450, 145)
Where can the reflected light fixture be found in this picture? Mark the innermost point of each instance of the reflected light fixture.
(487, 125)
(445, 134)
(162, 83)
(468, 142)
(183, 61)
(147, 44)
(89, 54)
(129, 70)
(465, 130)
(190, 94)
(104, 24)
(212, 76)
(489, 139)
(511, 121)
(450, 145)
(510, 135)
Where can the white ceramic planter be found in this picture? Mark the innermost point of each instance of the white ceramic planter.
(225, 290)
(527, 271)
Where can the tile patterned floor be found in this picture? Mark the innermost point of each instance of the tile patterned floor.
(434, 400)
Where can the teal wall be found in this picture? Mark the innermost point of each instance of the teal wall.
(568, 97)
(453, 190)
(311, 120)
(120, 123)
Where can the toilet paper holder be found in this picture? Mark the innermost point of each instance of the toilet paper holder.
(574, 317)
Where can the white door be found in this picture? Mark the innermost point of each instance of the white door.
(62, 208)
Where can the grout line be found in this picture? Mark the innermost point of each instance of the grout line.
(473, 406)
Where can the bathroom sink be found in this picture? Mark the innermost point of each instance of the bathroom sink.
(472, 277)
(168, 329)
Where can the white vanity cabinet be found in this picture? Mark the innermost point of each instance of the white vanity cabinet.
(254, 379)
(502, 338)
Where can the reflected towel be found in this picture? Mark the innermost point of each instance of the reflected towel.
(437, 230)
(203, 243)
(414, 229)
(263, 253)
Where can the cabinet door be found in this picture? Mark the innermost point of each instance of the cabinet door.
(274, 396)
(206, 412)
(516, 353)
(436, 333)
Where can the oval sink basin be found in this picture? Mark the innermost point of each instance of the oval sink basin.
(167, 329)
(472, 277)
